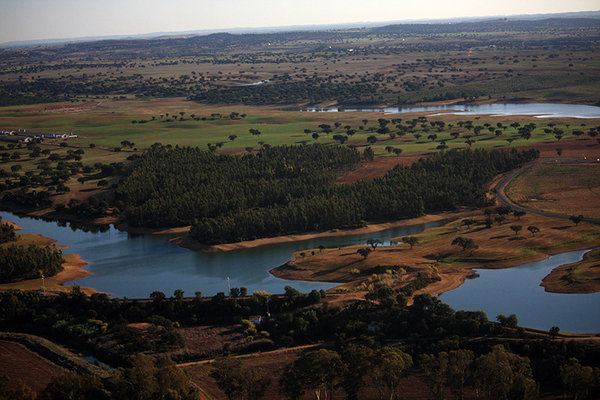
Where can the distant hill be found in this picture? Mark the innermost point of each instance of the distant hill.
(457, 23)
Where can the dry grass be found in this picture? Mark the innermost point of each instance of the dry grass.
(562, 189)
(579, 277)
(273, 365)
(499, 247)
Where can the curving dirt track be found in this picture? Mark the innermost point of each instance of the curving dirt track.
(504, 200)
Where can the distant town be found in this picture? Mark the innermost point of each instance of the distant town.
(28, 136)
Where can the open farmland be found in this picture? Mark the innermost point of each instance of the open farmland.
(238, 153)
(562, 189)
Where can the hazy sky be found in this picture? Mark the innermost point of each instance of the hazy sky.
(51, 19)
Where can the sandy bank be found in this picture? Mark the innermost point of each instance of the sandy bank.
(15, 226)
(434, 253)
(72, 270)
(187, 242)
(153, 231)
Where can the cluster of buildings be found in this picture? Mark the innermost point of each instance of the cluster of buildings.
(27, 136)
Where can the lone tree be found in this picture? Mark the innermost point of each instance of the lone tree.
(509, 322)
(410, 240)
(374, 243)
(516, 228)
(576, 219)
(468, 222)
(389, 369)
(533, 230)
(466, 244)
(318, 371)
(519, 214)
(554, 331)
(364, 252)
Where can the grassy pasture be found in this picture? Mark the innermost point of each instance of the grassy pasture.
(108, 122)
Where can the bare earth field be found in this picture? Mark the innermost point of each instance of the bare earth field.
(18, 362)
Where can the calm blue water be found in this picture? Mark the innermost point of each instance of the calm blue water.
(517, 291)
(134, 266)
(539, 110)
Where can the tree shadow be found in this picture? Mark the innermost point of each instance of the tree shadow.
(516, 238)
(560, 228)
(500, 237)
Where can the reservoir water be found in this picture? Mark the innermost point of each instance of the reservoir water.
(133, 266)
(517, 291)
(539, 110)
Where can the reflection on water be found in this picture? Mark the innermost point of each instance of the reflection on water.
(256, 83)
(539, 110)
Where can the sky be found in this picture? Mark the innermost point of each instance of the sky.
(59, 19)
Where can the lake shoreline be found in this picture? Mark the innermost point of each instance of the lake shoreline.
(189, 243)
(556, 282)
(72, 270)
(334, 265)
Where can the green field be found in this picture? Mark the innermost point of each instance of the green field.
(109, 122)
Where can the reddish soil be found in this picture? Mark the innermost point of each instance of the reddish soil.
(571, 148)
(584, 147)
(18, 362)
(375, 169)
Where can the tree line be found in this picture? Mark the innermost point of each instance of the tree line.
(7, 232)
(380, 331)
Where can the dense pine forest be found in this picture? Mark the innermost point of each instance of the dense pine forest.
(18, 262)
(7, 232)
(442, 183)
(290, 189)
(174, 186)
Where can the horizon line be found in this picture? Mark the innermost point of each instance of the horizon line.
(264, 29)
